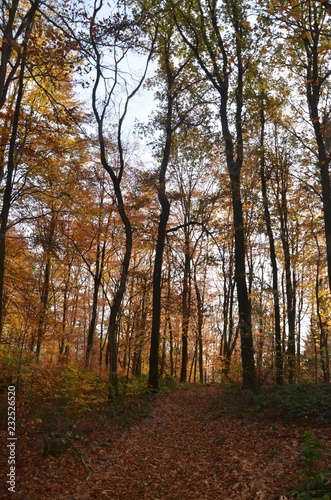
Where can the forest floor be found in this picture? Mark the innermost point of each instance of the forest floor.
(200, 443)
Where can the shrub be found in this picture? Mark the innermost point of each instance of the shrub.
(314, 483)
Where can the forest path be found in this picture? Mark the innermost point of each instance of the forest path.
(194, 445)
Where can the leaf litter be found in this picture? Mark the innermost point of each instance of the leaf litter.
(192, 445)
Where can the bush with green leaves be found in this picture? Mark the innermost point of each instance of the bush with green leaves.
(80, 390)
(295, 401)
(314, 484)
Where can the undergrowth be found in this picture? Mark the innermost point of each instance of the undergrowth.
(314, 482)
(308, 401)
(56, 399)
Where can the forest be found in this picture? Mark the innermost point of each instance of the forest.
(194, 243)
(165, 214)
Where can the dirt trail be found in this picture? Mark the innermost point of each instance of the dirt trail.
(191, 447)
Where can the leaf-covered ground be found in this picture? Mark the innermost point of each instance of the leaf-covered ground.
(201, 443)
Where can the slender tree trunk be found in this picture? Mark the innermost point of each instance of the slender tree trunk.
(211, 32)
(171, 347)
(139, 338)
(244, 303)
(163, 355)
(97, 277)
(44, 298)
(62, 348)
(234, 157)
(273, 260)
(199, 347)
(5, 135)
(116, 178)
(8, 72)
(193, 367)
(229, 337)
(323, 337)
(290, 293)
(119, 294)
(315, 81)
(153, 376)
(186, 299)
(102, 342)
(8, 190)
(43, 306)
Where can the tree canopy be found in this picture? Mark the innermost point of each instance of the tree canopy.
(195, 245)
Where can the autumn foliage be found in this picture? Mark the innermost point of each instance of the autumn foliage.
(165, 218)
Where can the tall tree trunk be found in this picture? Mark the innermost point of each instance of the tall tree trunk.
(6, 204)
(205, 40)
(244, 303)
(43, 306)
(229, 336)
(290, 292)
(48, 244)
(171, 347)
(8, 72)
(323, 337)
(139, 337)
(234, 157)
(273, 260)
(64, 349)
(186, 299)
(163, 352)
(119, 294)
(153, 375)
(315, 79)
(199, 346)
(97, 277)
(321, 313)
(116, 177)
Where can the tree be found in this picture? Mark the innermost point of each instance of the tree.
(281, 167)
(193, 193)
(201, 30)
(106, 81)
(169, 75)
(308, 50)
(16, 25)
(163, 262)
(8, 187)
(311, 25)
(272, 250)
(20, 56)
